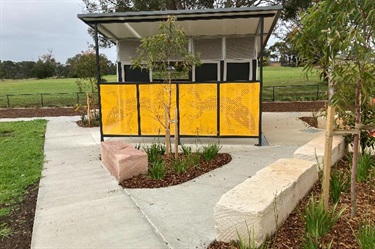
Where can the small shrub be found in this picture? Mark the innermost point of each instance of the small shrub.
(193, 159)
(5, 231)
(366, 236)
(365, 164)
(154, 152)
(157, 170)
(210, 152)
(338, 184)
(180, 165)
(318, 222)
(186, 150)
(241, 243)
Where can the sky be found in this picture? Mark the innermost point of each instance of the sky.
(29, 28)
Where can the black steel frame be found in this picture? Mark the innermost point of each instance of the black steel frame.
(261, 33)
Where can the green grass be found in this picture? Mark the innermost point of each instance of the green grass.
(286, 76)
(50, 85)
(21, 160)
(279, 85)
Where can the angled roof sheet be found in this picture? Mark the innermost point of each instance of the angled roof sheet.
(202, 22)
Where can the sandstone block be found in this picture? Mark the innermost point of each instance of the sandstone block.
(314, 150)
(123, 160)
(264, 201)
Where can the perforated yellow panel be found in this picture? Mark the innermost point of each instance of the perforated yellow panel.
(239, 109)
(119, 109)
(198, 109)
(152, 98)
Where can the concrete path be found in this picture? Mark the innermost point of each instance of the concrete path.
(81, 206)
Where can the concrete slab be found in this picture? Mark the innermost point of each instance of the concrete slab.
(79, 204)
(184, 213)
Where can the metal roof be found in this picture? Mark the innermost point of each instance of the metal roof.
(203, 22)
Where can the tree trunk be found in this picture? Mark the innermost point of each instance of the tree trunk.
(353, 197)
(88, 109)
(176, 134)
(327, 155)
(167, 132)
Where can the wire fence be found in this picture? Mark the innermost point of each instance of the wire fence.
(294, 93)
(43, 100)
(270, 93)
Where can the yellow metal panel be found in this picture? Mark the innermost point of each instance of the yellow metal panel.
(198, 109)
(119, 109)
(239, 109)
(153, 98)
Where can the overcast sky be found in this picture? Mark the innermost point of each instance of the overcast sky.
(29, 28)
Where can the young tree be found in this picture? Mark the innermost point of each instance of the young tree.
(344, 34)
(155, 54)
(83, 66)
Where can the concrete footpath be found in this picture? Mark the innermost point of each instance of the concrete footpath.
(80, 205)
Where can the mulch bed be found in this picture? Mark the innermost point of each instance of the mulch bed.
(173, 178)
(21, 221)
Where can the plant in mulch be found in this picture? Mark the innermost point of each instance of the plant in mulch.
(210, 151)
(173, 171)
(338, 184)
(157, 169)
(154, 152)
(366, 236)
(366, 166)
(318, 221)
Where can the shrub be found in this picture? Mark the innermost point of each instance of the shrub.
(186, 150)
(318, 221)
(180, 165)
(366, 236)
(365, 164)
(210, 152)
(154, 152)
(338, 184)
(157, 170)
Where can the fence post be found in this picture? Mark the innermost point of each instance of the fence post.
(41, 99)
(273, 93)
(8, 104)
(317, 92)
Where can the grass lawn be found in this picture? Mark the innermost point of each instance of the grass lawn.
(32, 86)
(273, 76)
(21, 161)
(279, 84)
(286, 76)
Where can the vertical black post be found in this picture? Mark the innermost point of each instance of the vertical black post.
(178, 111)
(41, 99)
(261, 79)
(273, 93)
(138, 110)
(218, 108)
(317, 92)
(98, 79)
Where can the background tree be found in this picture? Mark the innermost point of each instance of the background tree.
(343, 32)
(45, 66)
(83, 66)
(155, 53)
